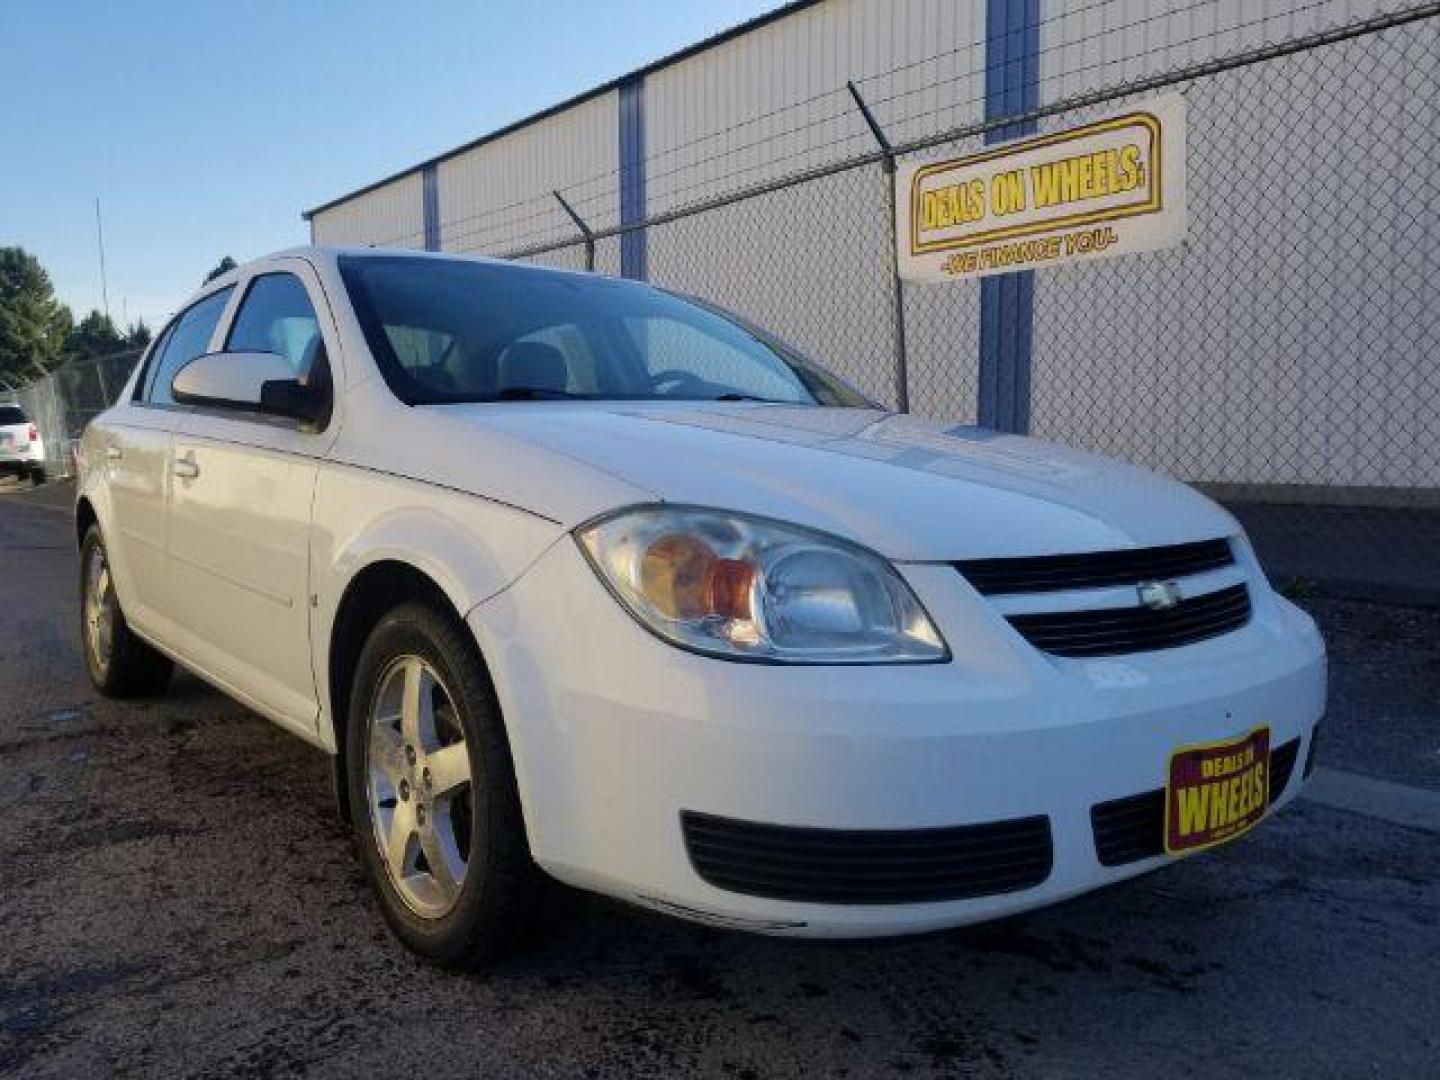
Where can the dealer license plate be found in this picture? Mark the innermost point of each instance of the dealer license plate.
(1216, 791)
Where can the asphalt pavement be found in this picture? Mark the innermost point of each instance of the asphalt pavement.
(177, 899)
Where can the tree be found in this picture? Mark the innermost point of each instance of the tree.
(95, 335)
(138, 336)
(33, 324)
(224, 266)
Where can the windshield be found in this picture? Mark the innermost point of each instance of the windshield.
(447, 330)
(10, 414)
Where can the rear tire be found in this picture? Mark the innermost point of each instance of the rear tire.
(37, 475)
(432, 791)
(119, 663)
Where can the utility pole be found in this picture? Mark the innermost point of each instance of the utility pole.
(100, 241)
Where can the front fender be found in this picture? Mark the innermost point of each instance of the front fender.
(471, 548)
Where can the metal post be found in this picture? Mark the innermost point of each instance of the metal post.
(897, 286)
(584, 230)
(100, 242)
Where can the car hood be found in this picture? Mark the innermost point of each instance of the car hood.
(910, 488)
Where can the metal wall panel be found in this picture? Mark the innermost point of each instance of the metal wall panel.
(389, 216)
(1088, 44)
(497, 197)
(773, 101)
(1254, 353)
(1233, 358)
(812, 263)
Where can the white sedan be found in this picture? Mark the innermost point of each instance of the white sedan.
(576, 575)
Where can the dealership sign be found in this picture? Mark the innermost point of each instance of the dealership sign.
(1112, 187)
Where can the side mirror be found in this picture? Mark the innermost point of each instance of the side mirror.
(251, 381)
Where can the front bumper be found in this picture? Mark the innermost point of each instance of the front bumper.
(616, 734)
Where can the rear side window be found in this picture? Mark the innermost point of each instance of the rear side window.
(277, 317)
(188, 338)
(10, 414)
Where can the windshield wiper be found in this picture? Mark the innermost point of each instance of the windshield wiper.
(750, 397)
(534, 393)
(544, 393)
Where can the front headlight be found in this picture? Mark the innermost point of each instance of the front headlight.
(747, 588)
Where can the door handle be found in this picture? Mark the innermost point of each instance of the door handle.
(113, 453)
(185, 468)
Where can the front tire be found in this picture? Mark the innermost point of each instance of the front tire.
(432, 790)
(119, 663)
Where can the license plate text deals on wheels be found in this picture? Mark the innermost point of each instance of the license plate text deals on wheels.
(1216, 791)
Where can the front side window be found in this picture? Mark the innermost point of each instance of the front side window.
(188, 337)
(277, 317)
(449, 330)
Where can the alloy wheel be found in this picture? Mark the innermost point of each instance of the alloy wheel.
(420, 786)
(99, 608)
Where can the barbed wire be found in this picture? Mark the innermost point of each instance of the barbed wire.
(541, 207)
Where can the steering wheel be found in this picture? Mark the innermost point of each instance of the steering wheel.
(674, 379)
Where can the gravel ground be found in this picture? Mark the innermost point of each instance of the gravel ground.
(177, 899)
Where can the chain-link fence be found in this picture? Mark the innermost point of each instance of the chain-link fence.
(65, 400)
(1286, 357)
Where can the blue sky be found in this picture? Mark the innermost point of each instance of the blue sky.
(205, 128)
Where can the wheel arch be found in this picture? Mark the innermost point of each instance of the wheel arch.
(385, 541)
(85, 517)
(374, 589)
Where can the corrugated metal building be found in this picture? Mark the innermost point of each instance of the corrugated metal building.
(1255, 354)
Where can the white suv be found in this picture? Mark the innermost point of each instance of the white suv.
(575, 575)
(21, 451)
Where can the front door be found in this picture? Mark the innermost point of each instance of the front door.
(134, 450)
(242, 486)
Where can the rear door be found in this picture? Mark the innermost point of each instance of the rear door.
(135, 442)
(242, 490)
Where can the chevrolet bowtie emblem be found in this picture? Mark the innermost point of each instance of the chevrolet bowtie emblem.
(1159, 595)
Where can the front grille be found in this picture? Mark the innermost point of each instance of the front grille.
(868, 866)
(1129, 829)
(1113, 631)
(1054, 573)
(1133, 828)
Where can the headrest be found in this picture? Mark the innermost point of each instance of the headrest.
(533, 364)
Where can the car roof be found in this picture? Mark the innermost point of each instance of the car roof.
(329, 254)
(326, 252)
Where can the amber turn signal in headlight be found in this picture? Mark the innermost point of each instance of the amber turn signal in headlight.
(748, 588)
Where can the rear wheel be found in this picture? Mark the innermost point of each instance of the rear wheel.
(119, 663)
(37, 475)
(432, 790)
